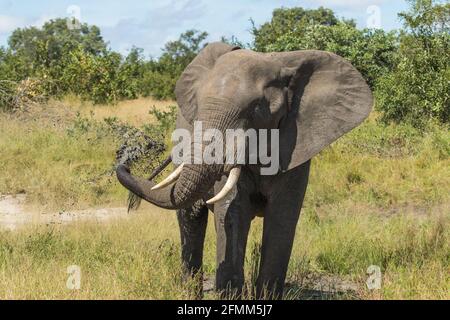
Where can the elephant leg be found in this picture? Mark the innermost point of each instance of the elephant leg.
(280, 220)
(192, 223)
(233, 217)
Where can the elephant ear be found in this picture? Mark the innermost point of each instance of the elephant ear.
(191, 79)
(327, 98)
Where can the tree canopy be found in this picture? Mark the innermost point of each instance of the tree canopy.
(407, 69)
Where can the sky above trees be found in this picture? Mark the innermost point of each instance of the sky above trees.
(150, 24)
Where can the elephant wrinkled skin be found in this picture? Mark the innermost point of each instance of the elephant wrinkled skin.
(311, 97)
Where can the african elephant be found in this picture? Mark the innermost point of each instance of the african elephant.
(311, 97)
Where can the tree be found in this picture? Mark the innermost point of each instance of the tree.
(91, 77)
(78, 61)
(186, 48)
(294, 21)
(370, 51)
(130, 74)
(44, 52)
(418, 88)
(427, 17)
(48, 45)
(161, 75)
(234, 41)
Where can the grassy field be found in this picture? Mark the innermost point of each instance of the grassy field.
(379, 196)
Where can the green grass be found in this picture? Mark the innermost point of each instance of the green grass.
(389, 167)
(54, 168)
(379, 196)
(411, 250)
(138, 257)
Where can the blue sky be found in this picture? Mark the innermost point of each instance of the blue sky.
(149, 24)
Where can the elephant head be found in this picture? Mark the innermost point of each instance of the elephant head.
(312, 97)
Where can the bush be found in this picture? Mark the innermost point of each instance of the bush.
(158, 85)
(408, 71)
(130, 75)
(418, 88)
(20, 96)
(78, 62)
(293, 20)
(161, 75)
(92, 77)
(104, 78)
(370, 51)
(7, 91)
(165, 122)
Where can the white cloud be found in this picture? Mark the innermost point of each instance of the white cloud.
(349, 4)
(43, 19)
(159, 25)
(8, 23)
(150, 24)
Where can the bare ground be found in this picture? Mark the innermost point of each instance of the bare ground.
(15, 214)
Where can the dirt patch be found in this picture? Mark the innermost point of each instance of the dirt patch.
(318, 287)
(322, 287)
(14, 214)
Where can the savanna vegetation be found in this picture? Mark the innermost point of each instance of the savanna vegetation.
(71, 108)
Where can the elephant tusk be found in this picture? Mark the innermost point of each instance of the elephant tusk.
(231, 182)
(170, 179)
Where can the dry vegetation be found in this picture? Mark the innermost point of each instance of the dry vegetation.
(379, 196)
(134, 112)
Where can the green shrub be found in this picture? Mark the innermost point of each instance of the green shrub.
(370, 51)
(78, 62)
(160, 76)
(165, 122)
(7, 91)
(92, 77)
(418, 87)
(408, 70)
(158, 85)
(294, 20)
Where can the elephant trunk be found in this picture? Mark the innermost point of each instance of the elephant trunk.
(195, 180)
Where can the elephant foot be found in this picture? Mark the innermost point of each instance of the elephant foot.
(194, 284)
(230, 293)
(267, 292)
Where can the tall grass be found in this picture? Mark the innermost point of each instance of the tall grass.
(65, 159)
(54, 168)
(389, 167)
(138, 257)
(411, 250)
(379, 196)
